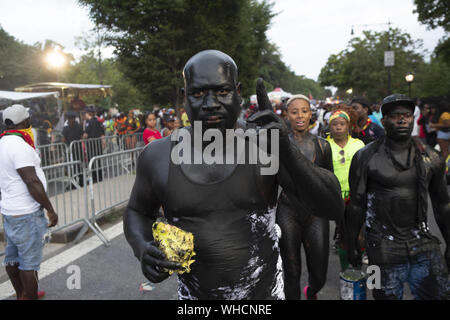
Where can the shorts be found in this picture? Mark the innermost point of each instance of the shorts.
(443, 135)
(24, 236)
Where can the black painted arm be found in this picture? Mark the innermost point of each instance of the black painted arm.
(441, 202)
(355, 212)
(141, 213)
(142, 209)
(315, 188)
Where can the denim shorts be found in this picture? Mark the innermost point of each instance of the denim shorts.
(24, 237)
(443, 135)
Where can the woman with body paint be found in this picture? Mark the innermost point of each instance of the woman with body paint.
(304, 227)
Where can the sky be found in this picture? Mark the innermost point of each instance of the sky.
(306, 32)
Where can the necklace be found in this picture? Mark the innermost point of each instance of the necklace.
(398, 165)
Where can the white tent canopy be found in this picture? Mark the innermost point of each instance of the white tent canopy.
(18, 96)
(47, 85)
(65, 88)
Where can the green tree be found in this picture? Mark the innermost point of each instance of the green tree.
(434, 78)
(436, 13)
(91, 68)
(361, 65)
(22, 64)
(154, 38)
(124, 93)
(275, 72)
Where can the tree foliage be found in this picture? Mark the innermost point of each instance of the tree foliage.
(22, 64)
(274, 71)
(361, 65)
(155, 38)
(124, 93)
(91, 68)
(434, 13)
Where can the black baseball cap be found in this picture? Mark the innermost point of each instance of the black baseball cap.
(72, 114)
(169, 117)
(90, 109)
(396, 99)
(362, 101)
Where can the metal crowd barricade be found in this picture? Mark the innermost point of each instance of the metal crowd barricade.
(51, 154)
(111, 178)
(70, 202)
(132, 141)
(112, 144)
(85, 149)
(82, 194)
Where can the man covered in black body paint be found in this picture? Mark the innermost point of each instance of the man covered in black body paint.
(230, 209)
(389, 184)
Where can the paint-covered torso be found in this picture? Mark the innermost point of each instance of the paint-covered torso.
(235, 235)
(391, 198)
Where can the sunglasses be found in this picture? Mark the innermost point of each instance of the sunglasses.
(342, 160)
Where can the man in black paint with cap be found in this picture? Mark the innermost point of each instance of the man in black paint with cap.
(390, 180)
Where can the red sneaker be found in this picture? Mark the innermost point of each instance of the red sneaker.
(305, 292)
(41, 294)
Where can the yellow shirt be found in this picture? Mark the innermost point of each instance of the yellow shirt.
(342, 158)
(185, 120)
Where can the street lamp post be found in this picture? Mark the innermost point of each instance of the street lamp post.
(409, 79)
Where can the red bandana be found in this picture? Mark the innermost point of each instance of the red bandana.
(25, 136)
(369, 121)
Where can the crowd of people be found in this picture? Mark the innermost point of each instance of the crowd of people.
(368, 167)
(90, 123)
(371, 157)
(348, 127)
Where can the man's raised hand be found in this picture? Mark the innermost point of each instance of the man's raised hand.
(265, 117)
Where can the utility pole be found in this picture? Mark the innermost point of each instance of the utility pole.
(99, 44)
(389, 66)
(389, 57)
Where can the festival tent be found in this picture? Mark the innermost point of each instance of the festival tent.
(69, 94)
(18, 96)
(275, 96)
(67, 88)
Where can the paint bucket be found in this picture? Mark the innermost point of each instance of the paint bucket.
(352, 285)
